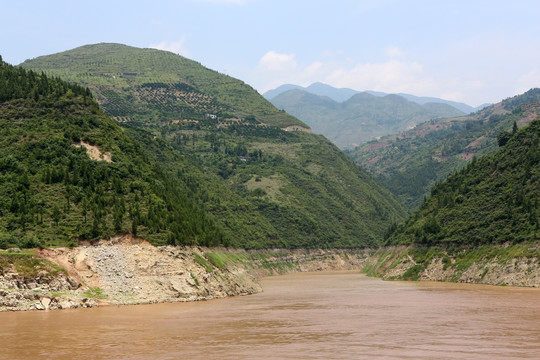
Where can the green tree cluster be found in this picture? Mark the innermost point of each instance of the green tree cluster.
(52, 193)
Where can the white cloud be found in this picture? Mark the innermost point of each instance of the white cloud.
(177, 47)
(236, 2)
(394, 51)
(274, 61)
(391, 76)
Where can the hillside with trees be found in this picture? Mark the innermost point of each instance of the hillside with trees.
(493, 200)
(69, 172)
(411, 162)
(257, 171)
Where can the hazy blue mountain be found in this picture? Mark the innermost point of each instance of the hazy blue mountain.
(361, 118)
(422, 100)
(343, 94)
(279, 90)
(317, 88)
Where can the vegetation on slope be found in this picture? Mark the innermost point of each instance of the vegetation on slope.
(264, 186)
(410, 163)
(492, 200)
(52, 193)
(154, 86)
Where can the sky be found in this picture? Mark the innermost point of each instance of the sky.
(473, 51)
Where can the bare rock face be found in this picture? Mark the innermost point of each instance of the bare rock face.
(394, 263)
(128, 270)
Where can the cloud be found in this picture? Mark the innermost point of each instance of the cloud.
(276, 62)
(177, 47)
(274, 69)
(394, 51)
(391, 76)
(234, 2)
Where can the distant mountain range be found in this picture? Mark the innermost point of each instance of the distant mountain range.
(343, 94)
(411, 162)
(361, 117)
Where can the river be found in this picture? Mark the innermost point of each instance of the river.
(339, 315)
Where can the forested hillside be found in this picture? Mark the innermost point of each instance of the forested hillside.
(69, 172)
(263, 177)
(411, 162)
(493, 200)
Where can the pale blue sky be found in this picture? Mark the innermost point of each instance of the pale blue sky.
(470, 51)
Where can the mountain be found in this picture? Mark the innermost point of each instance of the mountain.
(259, 172)
(411, 162)
(146, 86)
(361, 118)
(343, 94)
(317, 88)
(493, 200)
(69, 172)
(422, 100)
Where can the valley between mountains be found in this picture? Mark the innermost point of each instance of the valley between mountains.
(137, 176)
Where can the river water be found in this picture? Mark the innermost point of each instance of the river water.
(341, 315)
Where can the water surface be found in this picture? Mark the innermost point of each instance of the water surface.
(302, 316)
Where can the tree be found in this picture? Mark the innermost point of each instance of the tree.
(56, 214)
(503, 138)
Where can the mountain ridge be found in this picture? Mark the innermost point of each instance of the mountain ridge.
(343, 94)
(410, 162)
(360, 118)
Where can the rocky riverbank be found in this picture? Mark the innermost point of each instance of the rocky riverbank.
(127, 270)
(512, 265)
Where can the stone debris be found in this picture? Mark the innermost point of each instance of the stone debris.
(128, 270)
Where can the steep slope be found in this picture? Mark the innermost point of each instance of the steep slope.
(68, 172)
(267, 181)
(361, 118)
(411, 162)
(492, 200)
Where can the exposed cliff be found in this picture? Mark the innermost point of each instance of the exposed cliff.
(128, 270)
(514, 265)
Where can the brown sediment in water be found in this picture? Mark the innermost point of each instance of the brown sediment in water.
(321, 315)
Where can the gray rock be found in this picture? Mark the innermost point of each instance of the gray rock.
(45, 301)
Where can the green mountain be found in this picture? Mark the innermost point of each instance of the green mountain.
(493, 200)
(69, 172)
(411, 162)
(259, 172)
(361, 118)
(151, 86)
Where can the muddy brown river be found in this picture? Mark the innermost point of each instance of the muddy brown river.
(341, 315)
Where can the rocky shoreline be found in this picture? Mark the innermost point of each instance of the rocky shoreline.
(128, 270)
(501, 265)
